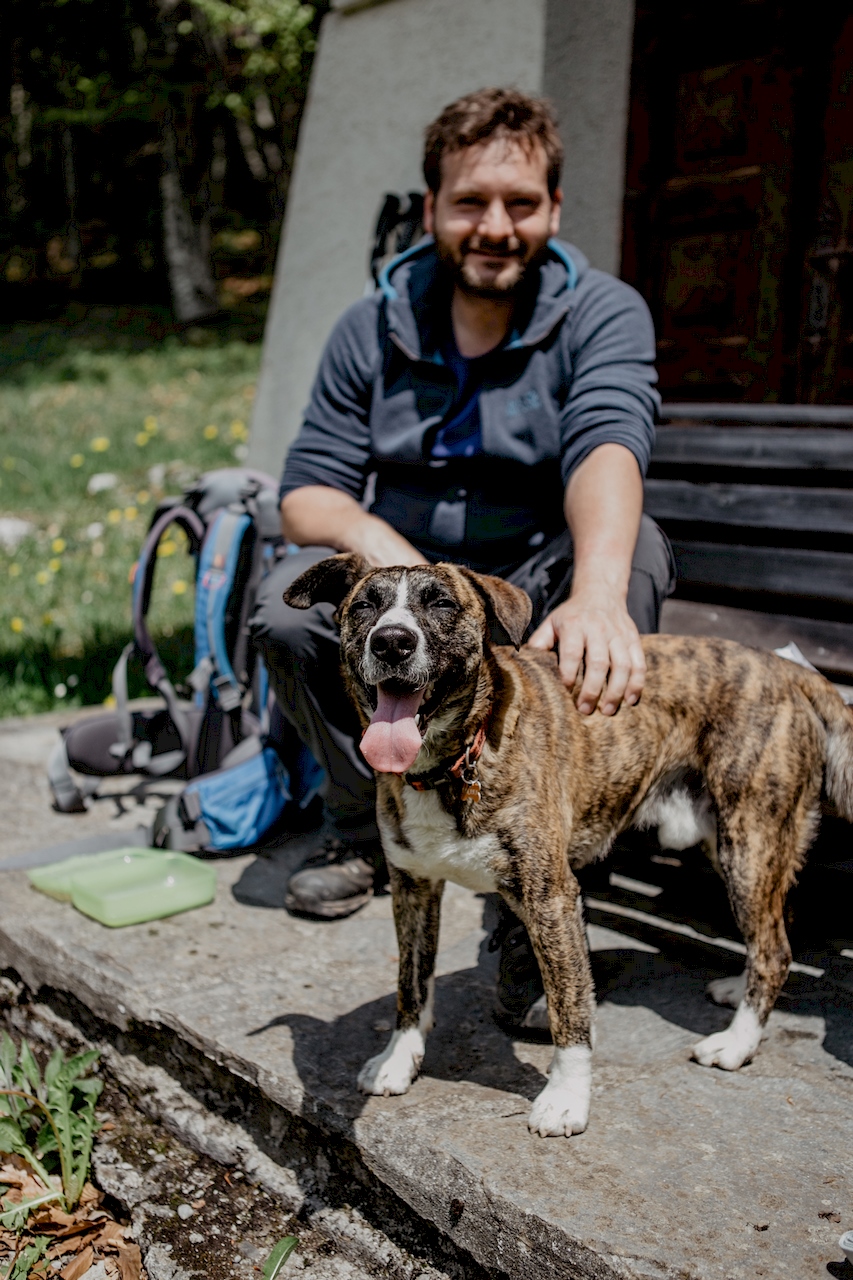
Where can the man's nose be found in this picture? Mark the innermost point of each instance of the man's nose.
(496, 224)
(393, 644)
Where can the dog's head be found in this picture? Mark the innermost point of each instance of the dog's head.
(412, 641)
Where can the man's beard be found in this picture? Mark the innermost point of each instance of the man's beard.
(466, 275)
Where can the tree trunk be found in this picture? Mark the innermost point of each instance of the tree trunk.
(186, 245)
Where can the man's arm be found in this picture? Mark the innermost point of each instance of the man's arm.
(317, 515)
(603, 505)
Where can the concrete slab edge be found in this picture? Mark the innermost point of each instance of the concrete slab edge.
(501, 1236)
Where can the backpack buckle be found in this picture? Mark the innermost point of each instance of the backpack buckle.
(227, 692)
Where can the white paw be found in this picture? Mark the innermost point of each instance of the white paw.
(727, 991)
(562, 1108)
(394, 1069)
(733, 1047)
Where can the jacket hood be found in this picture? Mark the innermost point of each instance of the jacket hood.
(417, 297)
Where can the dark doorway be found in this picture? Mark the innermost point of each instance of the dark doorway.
(739, 198)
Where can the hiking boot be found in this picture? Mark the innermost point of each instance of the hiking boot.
(336, 880)
(520, 990)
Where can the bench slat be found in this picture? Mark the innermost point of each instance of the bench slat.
(780, 449)
(782, 570)
(751, 505)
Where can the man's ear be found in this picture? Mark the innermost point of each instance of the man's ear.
(508, 606)
(330, 580)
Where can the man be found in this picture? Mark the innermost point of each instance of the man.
(501, 392)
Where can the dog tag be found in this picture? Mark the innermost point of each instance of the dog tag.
(471, 790)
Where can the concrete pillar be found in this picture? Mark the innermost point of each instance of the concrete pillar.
(587, 76)
(382, 72)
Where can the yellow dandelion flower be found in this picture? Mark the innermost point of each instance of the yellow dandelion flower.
(58, 545)
(179, 587)
(47, 619)
(17, 625)
(100, 444)
(55, 564)
(130, 513)
(167, 548)
(114, 516)
(42, 577)
(109, 700)
(76, 460)
(238, 430)
(142, 497)
(150, 425)
(210, 432)
(14, 570)
(142, 438)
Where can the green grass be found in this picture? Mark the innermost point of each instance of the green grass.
(74, 409)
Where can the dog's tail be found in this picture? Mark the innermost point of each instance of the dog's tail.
(838, 721)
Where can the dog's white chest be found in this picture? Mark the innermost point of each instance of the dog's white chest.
(436, 850)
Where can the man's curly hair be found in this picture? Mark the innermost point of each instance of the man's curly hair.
(492, 113)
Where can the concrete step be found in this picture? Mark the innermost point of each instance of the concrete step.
(265, 1020)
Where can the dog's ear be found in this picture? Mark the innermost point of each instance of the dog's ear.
(330, 580)
(508, 606)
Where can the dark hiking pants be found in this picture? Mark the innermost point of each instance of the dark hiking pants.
(301, 650)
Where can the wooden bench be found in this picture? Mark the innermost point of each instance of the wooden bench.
(757, 501)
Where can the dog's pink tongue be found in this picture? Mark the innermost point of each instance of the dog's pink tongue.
(392, 740)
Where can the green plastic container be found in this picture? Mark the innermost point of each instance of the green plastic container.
(129, 886)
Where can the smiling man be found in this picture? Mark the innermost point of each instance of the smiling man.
(501, 393)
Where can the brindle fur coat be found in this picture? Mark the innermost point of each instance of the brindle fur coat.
(728, 745)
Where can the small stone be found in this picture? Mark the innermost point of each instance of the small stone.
(185, 1211)
(195, 1237)
(250, 1251)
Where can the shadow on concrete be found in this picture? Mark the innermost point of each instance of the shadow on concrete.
(468, 1045)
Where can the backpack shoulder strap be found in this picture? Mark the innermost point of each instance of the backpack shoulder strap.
(142, 643)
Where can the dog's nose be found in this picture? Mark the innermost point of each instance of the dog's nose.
(393, 644)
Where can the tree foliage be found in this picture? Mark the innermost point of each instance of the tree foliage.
(98, 94)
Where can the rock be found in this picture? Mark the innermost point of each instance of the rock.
(13, 531)
(101, 481)
(195, 1237)
(250, 1251)
(97, 1272)
(185, 1211)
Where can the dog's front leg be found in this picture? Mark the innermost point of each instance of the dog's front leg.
(417, 907)
(554, 921)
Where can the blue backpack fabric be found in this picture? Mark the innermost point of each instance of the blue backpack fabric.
(243, 762)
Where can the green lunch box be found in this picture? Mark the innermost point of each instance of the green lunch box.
(129, 886)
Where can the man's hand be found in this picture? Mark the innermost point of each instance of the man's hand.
(595, 629)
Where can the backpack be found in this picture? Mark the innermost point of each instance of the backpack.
(242, 761)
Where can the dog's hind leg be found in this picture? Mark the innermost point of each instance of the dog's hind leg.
(554, 919)
(417, 908)
(758, 877)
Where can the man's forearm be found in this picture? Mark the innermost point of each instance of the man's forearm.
(317, 515)
(603, 505)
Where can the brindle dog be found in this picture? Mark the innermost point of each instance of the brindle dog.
(487, 775)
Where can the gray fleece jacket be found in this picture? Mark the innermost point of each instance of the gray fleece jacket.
(576, 372)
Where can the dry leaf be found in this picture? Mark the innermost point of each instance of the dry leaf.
(130, 1262)
(79, 1265)
(111, 1236)
(106, 1126)
(198, 1204)
(90, 1195)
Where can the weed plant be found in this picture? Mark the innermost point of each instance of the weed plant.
(90, 440)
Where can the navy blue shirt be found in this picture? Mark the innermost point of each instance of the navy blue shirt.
(460, 435)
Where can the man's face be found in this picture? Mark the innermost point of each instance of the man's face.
(492, 214)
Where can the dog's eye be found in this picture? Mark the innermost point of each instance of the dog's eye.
(442, 602)
(361, 606)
